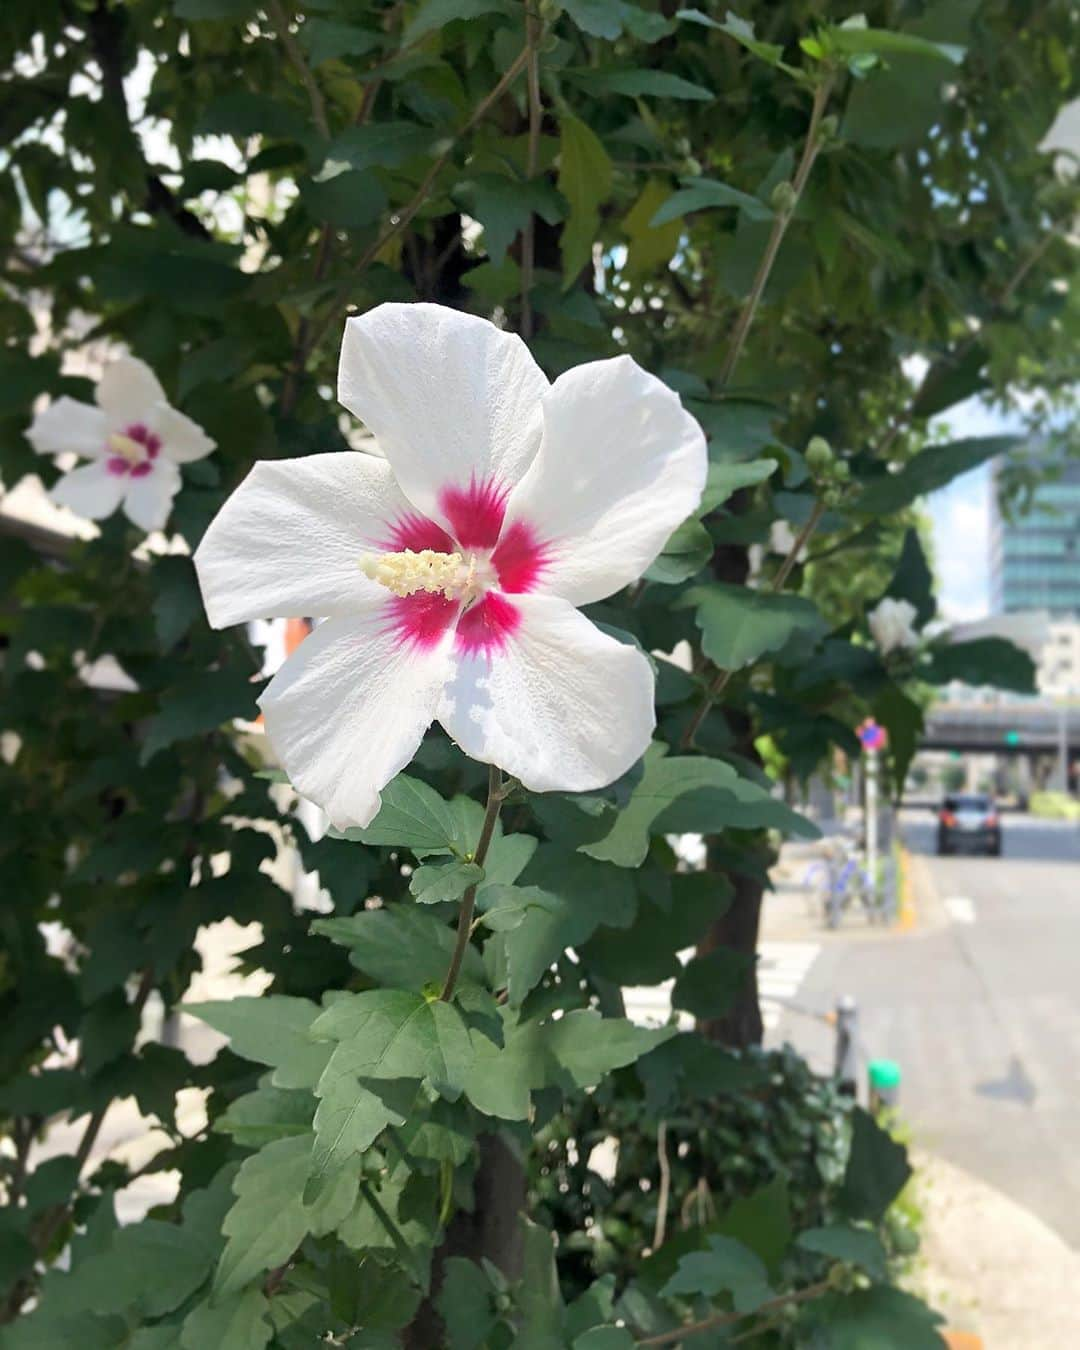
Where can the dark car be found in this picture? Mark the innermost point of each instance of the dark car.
(969, 821)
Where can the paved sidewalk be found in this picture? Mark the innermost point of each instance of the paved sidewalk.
(990, 1266)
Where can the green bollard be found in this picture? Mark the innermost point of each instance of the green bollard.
(884, 1084)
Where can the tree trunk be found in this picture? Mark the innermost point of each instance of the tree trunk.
(491, 1229)
(738, 929)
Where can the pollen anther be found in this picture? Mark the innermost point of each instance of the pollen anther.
(126, 448)
(407, 572)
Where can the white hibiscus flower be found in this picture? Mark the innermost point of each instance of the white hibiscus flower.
(134, 441)
(449, 570)
(892, 625)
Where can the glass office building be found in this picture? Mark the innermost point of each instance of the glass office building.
(1035, 560)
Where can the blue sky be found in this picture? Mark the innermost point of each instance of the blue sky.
(961, 519)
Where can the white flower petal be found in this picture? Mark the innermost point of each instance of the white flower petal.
(90, 490)
(149, 498)
(621, 464)
(128, 391)
(348, 709)
(555, 702)
(181, 439)
(288, 542)
(452, 401)
(68, 427)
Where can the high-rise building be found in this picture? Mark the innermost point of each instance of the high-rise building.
(1035, 560)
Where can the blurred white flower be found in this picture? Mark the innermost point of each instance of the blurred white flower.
(133, 439)
(892, 625)
(450, 568)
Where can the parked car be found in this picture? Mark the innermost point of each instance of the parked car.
(969, 821)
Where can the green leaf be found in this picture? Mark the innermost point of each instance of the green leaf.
(913, 581)
(391, 1033)
(684, 794)
(443, 881)
(645, 953)
(574, 1053)
(877, 1169)
(350, 199)
(739, 625)
(725, 1267)
(505, 205)
(883, 42)
(196, 704)
(239, 1322)
(150, 1267)
(269, 1219)
(538, 922)
(699, 194)
(585, 178)
(402, 946)
(539, 1300)
(990, 660)
(684, 555)
(270, 1030)
(412, 815)
(352, 1113)
(651, 247)
(382, 145)
(931, 469)
(640, 84)
(709, 985)
(241, 113)
(605, 1338)
(435, 14)
(902, 718)
(599, 18)
(213, 9)
(326, 40)
(741, 31)
(465, 1304)
(880, 1318)
(853, 1246)
(726, 478)
(267, 1114)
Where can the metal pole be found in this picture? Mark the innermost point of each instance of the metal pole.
(872, 821)
(846, 1065)
(1062, 749)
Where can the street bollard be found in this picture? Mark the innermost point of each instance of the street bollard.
(847, 1035)
(884, 1084)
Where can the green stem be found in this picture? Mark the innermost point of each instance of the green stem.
(495, 796)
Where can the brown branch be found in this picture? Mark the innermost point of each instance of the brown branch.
(496, 792)
(300, 65)
(728, 1319)
(660, 1231)
(404, 218)
(533, 31)
(781, 221)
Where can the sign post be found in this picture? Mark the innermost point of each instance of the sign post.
(872, 738)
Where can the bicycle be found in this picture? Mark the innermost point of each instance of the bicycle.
(840, 878)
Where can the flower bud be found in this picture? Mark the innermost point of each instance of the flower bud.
(819, 455)
(829, 127)
(549, 10)
(841, 471)
(783, 197)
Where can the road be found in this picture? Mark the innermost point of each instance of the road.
(980, 1006)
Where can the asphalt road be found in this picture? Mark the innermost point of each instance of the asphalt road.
(981, 1008)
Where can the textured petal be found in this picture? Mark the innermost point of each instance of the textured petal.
(128, 391)
(453, 403)
(181, 439)
(621, 465)
(149, 496)
(68, 427)
(288, 542)
(549, 697)
(348, 709)
(90, 491)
